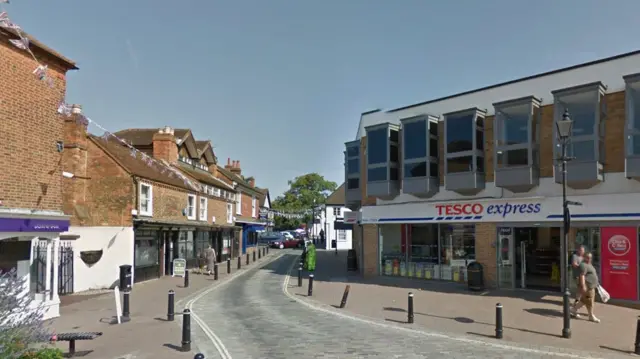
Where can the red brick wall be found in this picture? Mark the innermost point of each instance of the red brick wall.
(246, 205)
(31, 175)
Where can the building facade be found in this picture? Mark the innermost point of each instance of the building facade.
(473, 177)
(338, 232)
(31, 147)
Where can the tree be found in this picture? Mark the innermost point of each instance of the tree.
(304, 193)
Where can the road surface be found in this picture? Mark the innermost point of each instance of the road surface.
(252, 317)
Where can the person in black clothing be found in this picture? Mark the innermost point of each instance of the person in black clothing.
(322, 236)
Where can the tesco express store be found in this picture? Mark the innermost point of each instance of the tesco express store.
(517, 240)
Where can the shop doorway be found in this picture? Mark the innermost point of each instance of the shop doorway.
(169, 243)
(537, 258)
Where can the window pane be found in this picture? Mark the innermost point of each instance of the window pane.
(353, 166)
(377, 146)
(394, 155)
(415, 170)
(582, 150)
(353, 151)
(353, 183)
(415, 140)
(460, 164)
(393, 173)
(583, 115)
(513, 158)
(479, 163)
(635, 145)
(377, 174)
(480, 140)
(433, 169)
(433, 147)
(459, 133)
(393, 135)
(513, 128)
(458, 243)
(433, 128)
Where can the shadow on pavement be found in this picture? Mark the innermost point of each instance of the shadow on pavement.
(172, 346)
(616, 350)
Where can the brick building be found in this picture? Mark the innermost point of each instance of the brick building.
(31, 141)
(247, 205)
(142, 207)
(472, 177)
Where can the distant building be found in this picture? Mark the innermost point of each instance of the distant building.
(332, 220)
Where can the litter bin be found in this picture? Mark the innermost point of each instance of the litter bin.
(125, 277)
(475, 276)
(334, 243)
(352, 262)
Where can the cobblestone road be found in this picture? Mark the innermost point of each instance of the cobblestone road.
(252, 317)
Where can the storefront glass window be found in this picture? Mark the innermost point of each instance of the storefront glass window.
(457, 250)
(202, 242)
(186, 245)
(226, 242)
(147, 250)
(423, 250)
(590, 239)
(391, 253)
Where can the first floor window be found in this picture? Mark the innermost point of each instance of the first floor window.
(146, 199)
(191, 206)
(229, 213)
(202, 210)
(337, 211)
(342, 235)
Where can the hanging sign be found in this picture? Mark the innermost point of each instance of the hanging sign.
(619, 262)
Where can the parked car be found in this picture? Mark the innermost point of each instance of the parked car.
(287, 235)
(273, 239)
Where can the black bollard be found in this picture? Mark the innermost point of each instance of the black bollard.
(259, 253)
(264, 251)
(637, 346)
(247, 261)
(254, 255)
(239, 262)
(336, 249)
(171, 307)
(199, 356)
(186, 330)
(126, 306)
(498, 321)
(300, 276)
(345, 296)
(310, 291)
(228, 265)
(215, 271)
(410, 309)
(267, 250)
(186, 279)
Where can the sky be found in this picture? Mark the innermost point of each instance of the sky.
(280, 84)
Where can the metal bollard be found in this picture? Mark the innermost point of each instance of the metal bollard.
(410, 309)
(300, 276)
(171, 307)
(126, 306)
(310, 291)
(267, 250)
(498, 321)
(254, 255)
(247, 261)
(336, 250)
(215, 271)
(239, 262)
(264, 251)
(228, 265)
(186, 330)
(199, 356)
(637, 346)
(345, 296)
(186, 279)
(259, 253)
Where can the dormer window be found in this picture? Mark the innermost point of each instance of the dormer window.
(586, 144)
(464, 148)
(185, 160)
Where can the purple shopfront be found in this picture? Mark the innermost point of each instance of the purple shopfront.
(29, 248)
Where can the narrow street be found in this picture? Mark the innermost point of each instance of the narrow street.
(252, 317)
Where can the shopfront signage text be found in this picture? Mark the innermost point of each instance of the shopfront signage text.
(33, 225)
(478, 209)
(619, 262)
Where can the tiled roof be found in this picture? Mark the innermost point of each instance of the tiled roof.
(237, 179)
(70, 64)
(201, 145)
(337, 197)
(144, 136)
(264, 192)
(136, 166)
(202, 176)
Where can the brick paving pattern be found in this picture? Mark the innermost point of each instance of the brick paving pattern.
(530, 318)
(260, 321)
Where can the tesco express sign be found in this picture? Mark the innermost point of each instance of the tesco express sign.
(478, 209)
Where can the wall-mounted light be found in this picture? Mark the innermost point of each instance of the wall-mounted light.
(59, 146)
(67, 174)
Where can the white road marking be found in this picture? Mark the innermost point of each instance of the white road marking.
(285, 286)
(222, 350)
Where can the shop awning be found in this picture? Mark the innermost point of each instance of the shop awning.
(340, 225)
(180, 225)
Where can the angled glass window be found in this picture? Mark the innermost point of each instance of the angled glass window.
(464, 136)
(377, 142)
(460, 133)
(353, 151)
(416, 169)
(415, 140)
(632, 128)
(514, 130)
(353, 166)
(353, 183)
(377, 174)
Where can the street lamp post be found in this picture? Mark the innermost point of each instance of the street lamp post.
(564, 128)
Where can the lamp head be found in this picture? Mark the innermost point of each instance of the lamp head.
(564, 125)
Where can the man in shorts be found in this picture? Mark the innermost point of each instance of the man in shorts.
(587, 284)
(576, 260)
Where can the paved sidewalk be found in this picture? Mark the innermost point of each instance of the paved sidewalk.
(148, 334)
(529, 317)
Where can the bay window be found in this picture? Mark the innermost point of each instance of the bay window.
(464, 136)
(352, 172)
(383, 156)
(420, 155)
(632, 125)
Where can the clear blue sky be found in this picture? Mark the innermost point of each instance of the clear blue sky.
(280, 84)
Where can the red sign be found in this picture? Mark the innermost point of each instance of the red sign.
(459, 208)
(620, 262)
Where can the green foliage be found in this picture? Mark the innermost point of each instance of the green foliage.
(304, 193)
(44, 353)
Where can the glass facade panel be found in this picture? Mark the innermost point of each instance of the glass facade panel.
(377, 142)
(582, 150)
(513, 126)
(418, 169)
(519, 157)
(415, 140)
(460, 164)
(583, 115)
(460, 131)
(377, 174)
(353, 183)
(353, 166)
(353, 151)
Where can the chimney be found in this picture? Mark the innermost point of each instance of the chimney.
(229, 164)
(252, 182)
(164, 145)
(236, 168)
(74, 162)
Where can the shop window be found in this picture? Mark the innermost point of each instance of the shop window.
(186, 246)
(226, 242)
(423, 248)
(147, 249)
(202, 243)
(590, 239)
(392, 257)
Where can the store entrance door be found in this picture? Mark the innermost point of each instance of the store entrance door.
(537, 254)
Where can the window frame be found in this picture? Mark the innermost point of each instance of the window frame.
(253, 207)
(192, 215)
(474, 153)
(632, 84)
(202, 215)
(597, 137)
(149, 212)
(532, 145)
(389, 164)
(239, 204)
(337, 211)
(347, 158)
(429, 158)
(229, 213)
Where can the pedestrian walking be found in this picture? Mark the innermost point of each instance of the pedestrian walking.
(588, 284)
(576, 260)
(210, 255)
